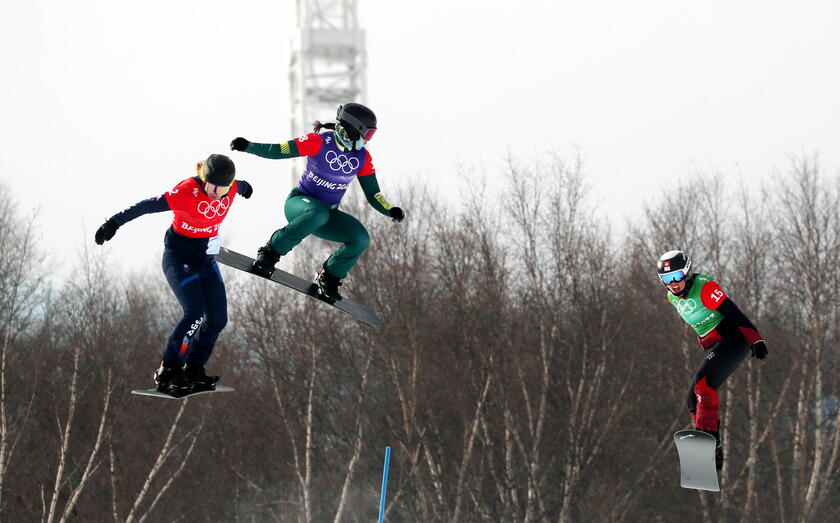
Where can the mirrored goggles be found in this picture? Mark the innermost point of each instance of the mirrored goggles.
(344, 138)
(672, 277)
(366, 136)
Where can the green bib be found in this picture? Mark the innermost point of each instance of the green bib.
(691, 309)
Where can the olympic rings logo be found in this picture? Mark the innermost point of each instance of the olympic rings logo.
(687, 306)
(214, 208)
(339, 162)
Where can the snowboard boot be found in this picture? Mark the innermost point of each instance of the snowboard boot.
(327, 286)
(170, 379)
(199, 378)
(267, 258)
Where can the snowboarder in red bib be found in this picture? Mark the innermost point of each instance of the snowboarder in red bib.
(335, 155)
(199, 204)
(723, 331)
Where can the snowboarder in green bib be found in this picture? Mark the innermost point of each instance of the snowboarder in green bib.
(723, 331)
(335, 154)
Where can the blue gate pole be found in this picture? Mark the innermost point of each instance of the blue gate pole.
(384, 484)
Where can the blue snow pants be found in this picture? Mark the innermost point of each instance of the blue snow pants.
(198, 285)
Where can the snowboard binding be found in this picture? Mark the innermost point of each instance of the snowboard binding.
(267, 258)
(199, 379)
(170, 379)
(327, 286)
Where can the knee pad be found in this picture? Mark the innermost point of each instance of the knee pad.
(706, 395)
(707, 416)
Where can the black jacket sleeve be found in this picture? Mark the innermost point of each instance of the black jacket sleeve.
(737, 318)
(148, 206)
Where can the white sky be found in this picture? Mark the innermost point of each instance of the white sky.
(104, 103)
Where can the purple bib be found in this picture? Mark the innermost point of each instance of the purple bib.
(328, 174)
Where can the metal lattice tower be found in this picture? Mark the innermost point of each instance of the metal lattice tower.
(327, 65)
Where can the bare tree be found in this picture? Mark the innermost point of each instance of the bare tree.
(357, 446)
(806, 221)
(21, 292)
(166, 451)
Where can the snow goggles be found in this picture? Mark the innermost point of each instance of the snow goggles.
(350, 143)
(368, 135)
(674, 276)
(365, 132)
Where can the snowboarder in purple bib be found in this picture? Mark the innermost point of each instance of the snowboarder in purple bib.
(724, 332)
(335, 154)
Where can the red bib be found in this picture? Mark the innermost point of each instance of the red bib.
(196, 215)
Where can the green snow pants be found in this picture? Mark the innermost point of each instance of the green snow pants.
(306, 216)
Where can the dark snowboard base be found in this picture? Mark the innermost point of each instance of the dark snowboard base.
(156, 393)
(243, 263)
(697, 460)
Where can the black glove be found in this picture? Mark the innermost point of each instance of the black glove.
(244, 189)
(759, 349)
(397, 214)
(105, 232)
(239, 144)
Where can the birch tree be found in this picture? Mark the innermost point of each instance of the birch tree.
(21, 293)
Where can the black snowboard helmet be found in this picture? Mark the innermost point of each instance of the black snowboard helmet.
(357, 121)
(673, 266)
(218, 169)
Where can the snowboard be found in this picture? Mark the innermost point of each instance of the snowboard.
(158, 394)
(243, 263)
(697, 460)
